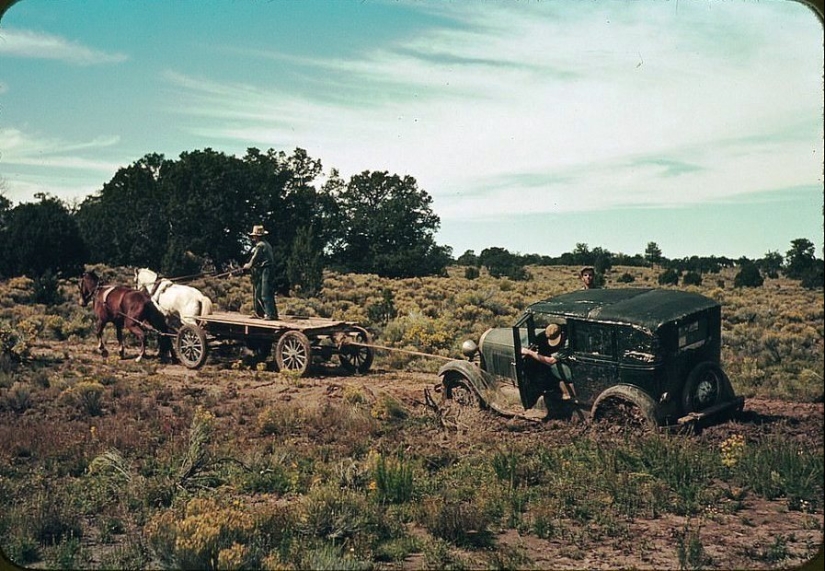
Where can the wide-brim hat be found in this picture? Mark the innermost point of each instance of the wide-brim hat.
(258, 230)
(553, 333)
(587, 269)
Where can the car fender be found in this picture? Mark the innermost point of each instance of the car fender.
(629, 393)
(480, 381)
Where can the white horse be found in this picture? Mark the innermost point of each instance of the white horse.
(173, 300)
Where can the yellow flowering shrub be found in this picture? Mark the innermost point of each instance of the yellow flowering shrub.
(207, 535)
(731, 450)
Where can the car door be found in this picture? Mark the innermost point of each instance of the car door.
(593, 365)
(529, 388)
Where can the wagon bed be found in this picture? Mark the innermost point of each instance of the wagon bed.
(296, 340)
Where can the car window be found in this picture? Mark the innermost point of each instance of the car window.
(693, 334)
(637, 346)
(594, 339)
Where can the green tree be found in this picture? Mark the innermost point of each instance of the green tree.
(653, 254)
(42, 239)
(127, 222)
(305, 268)
(386, 226)
(748, 275)
(468, 258)
(770, 264)
(501, 263)
(5, 213)
(800, 258)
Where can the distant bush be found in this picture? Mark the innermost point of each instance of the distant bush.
(748, 276)
(814, 278)
(692, 278)
(626, 278)
(669, 277)
(471, 272)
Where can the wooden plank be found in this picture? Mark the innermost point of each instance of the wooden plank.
(285, 322)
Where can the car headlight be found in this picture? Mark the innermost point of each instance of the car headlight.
(469, 348)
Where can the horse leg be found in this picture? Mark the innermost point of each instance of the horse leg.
(141, 335)
(100, 346)
(120, 341)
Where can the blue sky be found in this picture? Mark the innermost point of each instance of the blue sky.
(534, 125)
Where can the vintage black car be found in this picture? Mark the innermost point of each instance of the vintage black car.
(652, 355)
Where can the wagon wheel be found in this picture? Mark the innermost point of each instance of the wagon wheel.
(703, 387)
(190, 346)
(356, 356)
(293, 353)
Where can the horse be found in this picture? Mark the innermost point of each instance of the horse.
(124, 307)
(173, 300)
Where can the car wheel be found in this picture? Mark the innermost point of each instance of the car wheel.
(703, 388)
(459, 390)
(626, 407)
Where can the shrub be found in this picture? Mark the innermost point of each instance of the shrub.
(87, 396)
(669, 277)
(207, 535)
(692, 278)
(393, 479)
(460, 522)
(626, 278)
(748, 276)
(471, 273)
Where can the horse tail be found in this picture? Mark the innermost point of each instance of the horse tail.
(206, 306)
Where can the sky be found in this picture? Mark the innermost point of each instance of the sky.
(534, 125)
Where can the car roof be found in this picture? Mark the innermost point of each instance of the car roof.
(647, 308)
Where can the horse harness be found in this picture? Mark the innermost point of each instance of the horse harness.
(158, 289)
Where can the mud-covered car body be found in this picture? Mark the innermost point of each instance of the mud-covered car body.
(655, 349)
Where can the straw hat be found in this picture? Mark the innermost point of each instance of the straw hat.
(258, 230)
(553, 333)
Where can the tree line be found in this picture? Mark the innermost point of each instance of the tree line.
(182, 215)
(179, 216)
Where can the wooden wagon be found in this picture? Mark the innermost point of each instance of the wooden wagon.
(296, 341)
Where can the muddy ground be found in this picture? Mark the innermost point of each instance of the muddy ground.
(739, 540)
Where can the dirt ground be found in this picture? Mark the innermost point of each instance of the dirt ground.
(733, 541)
(740, 540)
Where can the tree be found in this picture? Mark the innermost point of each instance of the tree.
(304, 267)
(770, 264)
(127, 222)
(385, 225)
(468, 258)
(748, 275)
(42, 239)
(5, 212)
(653, 254)
(800, 258)
(501, 263)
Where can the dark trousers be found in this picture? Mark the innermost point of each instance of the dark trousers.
(264, 293)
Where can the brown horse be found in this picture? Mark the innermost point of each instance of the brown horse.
(125, 307)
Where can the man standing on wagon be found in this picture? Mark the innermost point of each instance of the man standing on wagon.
(262, 264)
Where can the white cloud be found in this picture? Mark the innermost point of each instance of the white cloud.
(617, 104)
(34, 45)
